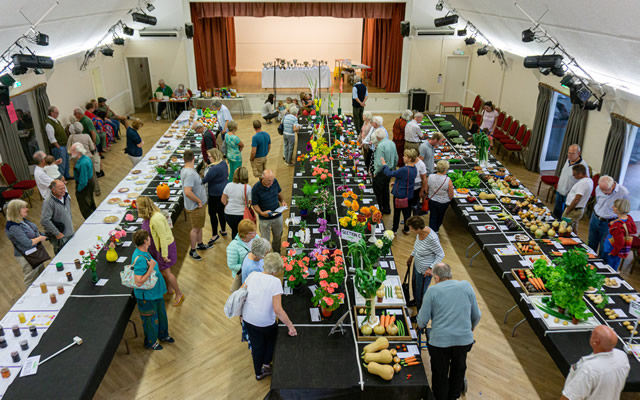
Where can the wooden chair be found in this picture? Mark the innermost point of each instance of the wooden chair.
(26, 186)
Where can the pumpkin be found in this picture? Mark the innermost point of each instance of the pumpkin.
(162, 191)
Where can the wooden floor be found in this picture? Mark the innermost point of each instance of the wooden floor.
(251, 82)
(208, 361)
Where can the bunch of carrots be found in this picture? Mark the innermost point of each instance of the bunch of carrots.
(538, 284)
(409, 361)
(386, 320)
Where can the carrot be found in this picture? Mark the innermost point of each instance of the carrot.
(392, 320)
(384, 321)
(534, 283)
(412, 363)
(542, 284)
(409, 359)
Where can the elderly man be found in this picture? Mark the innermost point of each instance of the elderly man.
(359, 96)
(87, 125)
(578, 196)
(413, 133)
(166, 91)
(600, 375)
(83, 172)
(386, 149)
(376, 123)
(56, 216)
(42, 179)
(195, 198)
(208, 139)
(567, 180)
(607, 192)
(57, 140)
(224, 115)
(266, 197)
(452, 308)
(427, 150)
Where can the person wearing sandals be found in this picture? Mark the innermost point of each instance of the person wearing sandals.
(163, 246)
(216, 180)
(150, 302)
(261, 307)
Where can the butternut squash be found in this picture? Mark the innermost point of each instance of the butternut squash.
(380, 344)
(383, 371)
(382, 357)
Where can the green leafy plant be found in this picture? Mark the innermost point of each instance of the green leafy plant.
(481, 141)
(469, 179)
(568, 279)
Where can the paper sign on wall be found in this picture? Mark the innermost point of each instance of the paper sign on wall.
(13, 117)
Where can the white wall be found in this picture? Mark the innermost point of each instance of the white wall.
(68, 87)
(261, 40)
(167, 59)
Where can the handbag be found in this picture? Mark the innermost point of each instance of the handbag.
(281, 128)
(37, 255)
(405, 288)
(127, 277)
(248, 211)
(403, 203)
(235, 303)
(425, 203)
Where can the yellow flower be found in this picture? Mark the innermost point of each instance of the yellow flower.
(347, 203)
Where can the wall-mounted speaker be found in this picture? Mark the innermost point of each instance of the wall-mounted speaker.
(188, 30)
(5, 100)
(405, 28)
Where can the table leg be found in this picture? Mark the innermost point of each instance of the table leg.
(466, 252)
(513, 331)
(474, 256)
(151, 111)
(509, 312)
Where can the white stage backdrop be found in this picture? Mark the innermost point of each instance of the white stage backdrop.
(296, 78)
(260, 40)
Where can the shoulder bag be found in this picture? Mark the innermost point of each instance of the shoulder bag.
(281, 127)
(127, 277)
(35, 256)
(403, 203)
(425, 203)
(248, 211)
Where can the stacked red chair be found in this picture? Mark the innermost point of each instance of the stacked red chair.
(25, 186)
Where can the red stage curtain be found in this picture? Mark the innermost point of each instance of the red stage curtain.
(211, 49)
(337, 10)
(382, 49)
(231, 45)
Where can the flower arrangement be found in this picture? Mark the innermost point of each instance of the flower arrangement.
(353, 222)
(303, 236)
(324, 202)
(115, 236)
(365, 256)
(323, 175)
(326, 298)
(296, 267)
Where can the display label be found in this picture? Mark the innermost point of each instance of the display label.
(351, 236)
(634, 309)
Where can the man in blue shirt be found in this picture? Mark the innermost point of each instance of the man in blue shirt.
(266, 197)
(359, 97)
(453, 310)
(260, 147)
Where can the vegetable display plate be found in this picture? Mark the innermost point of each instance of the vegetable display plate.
(111, 219)
(437, 119)
(496, 208)
(551, 323)
(524, 287)
(400, 315)
(123, 190)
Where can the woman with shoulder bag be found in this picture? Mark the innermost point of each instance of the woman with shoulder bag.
(150, 302)
(27, 241)
(238, 249)
(216, 179)
(236, 196)
(440, 193)
(402, 187)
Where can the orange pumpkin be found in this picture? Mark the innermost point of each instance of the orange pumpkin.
(162, 191)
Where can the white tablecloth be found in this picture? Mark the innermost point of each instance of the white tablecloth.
(296, 77)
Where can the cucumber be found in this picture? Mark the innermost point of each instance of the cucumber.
(553, 312)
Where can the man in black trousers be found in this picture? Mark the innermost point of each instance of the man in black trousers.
(359, 100)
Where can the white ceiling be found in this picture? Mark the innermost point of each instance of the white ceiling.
(601, 35)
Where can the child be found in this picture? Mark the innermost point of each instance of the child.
(52, 169)
(486, 132)
(618, 242)
(281, 109)
(474, 126)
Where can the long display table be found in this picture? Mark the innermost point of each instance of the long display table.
(296, 77)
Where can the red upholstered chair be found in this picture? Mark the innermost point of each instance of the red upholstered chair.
(26, 186)
(511, 140)
(518, 149)
(500, 129)
(635, 249)
(550, 180)
(469, 111)
(501, 118)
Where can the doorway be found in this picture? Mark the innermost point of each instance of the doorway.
(560, 109)
(455, 79)
(140, 79)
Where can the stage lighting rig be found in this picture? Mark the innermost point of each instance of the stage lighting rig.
(118, 41)
(470, 40)
(528, 35)
(446, 20)
(126, 30)
(144, 18)
(107, 51)
(483, 51)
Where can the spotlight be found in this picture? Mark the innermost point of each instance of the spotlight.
(118, 41)
(19, 70)
(528, 35)
(470, 40)
(439, 5)
(42, 39)
(127, 31)
(558, 71)
(107, 52)
(462, 32)
(447, 20)
(568, 81)
(32, 61)
(144, 18)
(483, 51)
(150, 7)
(545, 61)
(580, 94)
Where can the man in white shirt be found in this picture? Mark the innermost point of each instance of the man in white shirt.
(607, 192)
(43, 181)
(567, 180)
(600, 375)
(413, 134)
(578, 195)
(370, 140)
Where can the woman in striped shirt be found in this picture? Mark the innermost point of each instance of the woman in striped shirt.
(427, 252)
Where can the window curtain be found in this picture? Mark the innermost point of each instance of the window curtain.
(574, 134)
(614, 148)
(10, 146)
(211, 44)
(42, 104)
(382, 49)
(539, 128)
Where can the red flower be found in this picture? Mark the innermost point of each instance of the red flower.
(81, 252)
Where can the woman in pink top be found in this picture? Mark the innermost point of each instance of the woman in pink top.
(489, 119)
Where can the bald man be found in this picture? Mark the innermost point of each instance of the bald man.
(567, 180)
(266, 197)
(600, 375)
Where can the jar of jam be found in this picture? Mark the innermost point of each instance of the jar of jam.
(15, 356)
(3, 342)
(53, 298)
(69, 276)
(77, 263)
(60, 289)
(43, 287)
(24, 345)
(16, 330)
(5, 372)
(21, 318)
(33, 331)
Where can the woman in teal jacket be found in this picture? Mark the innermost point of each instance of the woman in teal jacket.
(240, 246)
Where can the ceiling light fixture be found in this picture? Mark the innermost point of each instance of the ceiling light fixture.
(42, 39)
(543, 61)
(439, 5)
(126, 30)
(150, 7)
(118, 41)
(107, 51)
(528, 35)
(470, 40)
(462, 32)
(483, 51)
